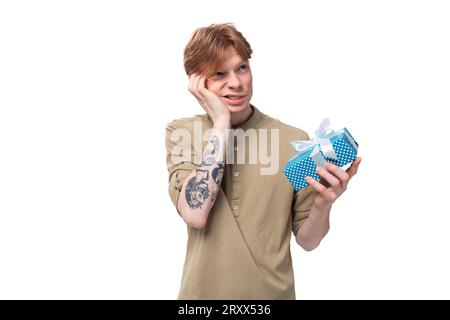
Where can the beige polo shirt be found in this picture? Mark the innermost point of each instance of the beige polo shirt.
(243, 252)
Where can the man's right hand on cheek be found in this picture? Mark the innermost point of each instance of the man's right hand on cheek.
(210, 101)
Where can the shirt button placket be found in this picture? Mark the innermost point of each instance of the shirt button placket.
(236, 183)
(236, 190)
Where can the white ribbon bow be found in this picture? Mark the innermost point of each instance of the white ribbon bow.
(320, 141)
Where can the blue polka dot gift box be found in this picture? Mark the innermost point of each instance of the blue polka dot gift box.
(327, 145)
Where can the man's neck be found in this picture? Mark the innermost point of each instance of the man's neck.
(241, 117)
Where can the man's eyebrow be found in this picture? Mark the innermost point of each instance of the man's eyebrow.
(242, 62)
(237, 65)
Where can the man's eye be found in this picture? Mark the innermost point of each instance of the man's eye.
(219, 74)
(243, 67)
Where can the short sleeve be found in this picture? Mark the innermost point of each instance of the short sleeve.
(302, 202)
(301, 206)
(180, 156)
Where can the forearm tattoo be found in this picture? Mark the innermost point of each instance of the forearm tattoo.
(197, 189)
(210, 153)
(217, 173)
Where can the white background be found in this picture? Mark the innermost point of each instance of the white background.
(86, 88)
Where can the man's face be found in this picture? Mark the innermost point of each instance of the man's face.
(232, 82)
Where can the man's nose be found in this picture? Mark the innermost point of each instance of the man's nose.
(234, 81)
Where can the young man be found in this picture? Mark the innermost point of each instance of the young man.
(239, 219)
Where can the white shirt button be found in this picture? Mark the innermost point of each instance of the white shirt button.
(235, 207)
(236, 148)
(236, 174)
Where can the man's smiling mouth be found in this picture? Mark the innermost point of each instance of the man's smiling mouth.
(233, 97)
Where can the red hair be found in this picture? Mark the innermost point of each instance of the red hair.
(207, 48)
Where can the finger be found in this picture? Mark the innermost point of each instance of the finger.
(328, 177)
(203, 92)
(190, 82)
(354, 167)
(201, 86)
(324, 182)
(338, 172)
(192, 79)
(315, 184)
(194, 86)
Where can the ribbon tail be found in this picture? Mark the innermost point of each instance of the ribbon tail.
(328, 150)
(318, 159)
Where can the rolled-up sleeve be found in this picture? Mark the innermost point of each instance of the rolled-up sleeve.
(180, 162)
(301, 206)
(302, 202)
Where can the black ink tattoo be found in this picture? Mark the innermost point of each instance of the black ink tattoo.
(213, 196)
(210, 153)
(217, 173)
(197, 190)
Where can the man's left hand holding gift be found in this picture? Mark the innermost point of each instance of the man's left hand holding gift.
(332, 185)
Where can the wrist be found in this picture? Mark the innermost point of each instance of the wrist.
(322, 207)
(222, 125)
